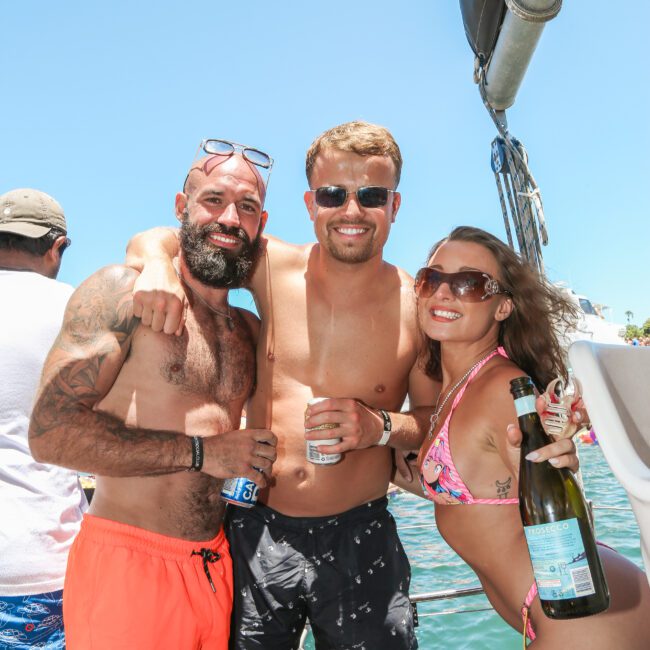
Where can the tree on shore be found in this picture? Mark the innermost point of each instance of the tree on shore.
(636, 332)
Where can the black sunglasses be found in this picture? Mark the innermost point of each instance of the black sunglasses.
(333, 196)
(469, 286)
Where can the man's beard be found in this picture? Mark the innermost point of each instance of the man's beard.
(214, 266)
(349, 254)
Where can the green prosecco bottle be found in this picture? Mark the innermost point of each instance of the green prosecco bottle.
(569, 575)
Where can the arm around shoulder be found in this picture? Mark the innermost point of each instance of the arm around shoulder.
(160, 242)
(158, 296)
(276, 257)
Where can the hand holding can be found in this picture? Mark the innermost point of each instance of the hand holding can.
(259, 457)
(240, 492)
(315, 456)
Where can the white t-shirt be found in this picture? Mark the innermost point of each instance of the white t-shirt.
(40, 505)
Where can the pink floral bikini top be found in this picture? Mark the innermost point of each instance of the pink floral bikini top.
(440, 479)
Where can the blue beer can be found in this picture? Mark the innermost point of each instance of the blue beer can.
(240, 492)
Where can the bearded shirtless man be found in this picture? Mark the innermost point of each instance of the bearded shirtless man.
(151, 566)
(337, 321)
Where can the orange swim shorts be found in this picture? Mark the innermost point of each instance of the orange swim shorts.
(130, 589)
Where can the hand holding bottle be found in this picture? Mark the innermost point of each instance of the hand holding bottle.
(560, 452)
(568, 571)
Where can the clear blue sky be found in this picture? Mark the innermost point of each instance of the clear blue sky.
(104, 104)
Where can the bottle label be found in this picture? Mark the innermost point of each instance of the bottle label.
(559, 560)
(525, 405)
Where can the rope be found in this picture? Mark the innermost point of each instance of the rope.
(455, 611)
(516, 183)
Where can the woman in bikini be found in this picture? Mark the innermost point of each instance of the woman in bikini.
(488, 318)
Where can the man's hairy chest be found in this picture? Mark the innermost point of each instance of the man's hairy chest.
(209, 361)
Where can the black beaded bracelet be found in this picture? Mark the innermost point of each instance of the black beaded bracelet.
(197, 454)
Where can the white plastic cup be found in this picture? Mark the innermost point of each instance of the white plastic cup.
(315, 456)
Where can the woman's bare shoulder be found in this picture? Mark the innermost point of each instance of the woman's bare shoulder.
(493, 383)
(493, 401)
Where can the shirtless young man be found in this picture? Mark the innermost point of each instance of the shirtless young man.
(337, 320)
(156, 418)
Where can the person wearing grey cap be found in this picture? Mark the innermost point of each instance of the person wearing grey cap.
(32, 232)
(41, 506)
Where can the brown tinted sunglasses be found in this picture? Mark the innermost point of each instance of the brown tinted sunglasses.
(469, 286)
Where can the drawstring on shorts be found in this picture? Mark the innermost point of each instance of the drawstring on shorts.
(208, 555)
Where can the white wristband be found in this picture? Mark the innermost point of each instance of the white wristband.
(388, 428)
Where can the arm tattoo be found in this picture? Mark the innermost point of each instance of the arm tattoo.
(81, 369)
(97, 310)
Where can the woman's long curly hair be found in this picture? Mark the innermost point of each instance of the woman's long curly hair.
(532, 334)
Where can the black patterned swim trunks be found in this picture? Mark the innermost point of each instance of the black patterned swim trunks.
(347, 573)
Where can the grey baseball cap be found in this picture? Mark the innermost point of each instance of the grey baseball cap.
(30, 213)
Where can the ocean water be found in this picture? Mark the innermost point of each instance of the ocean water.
(469, 623)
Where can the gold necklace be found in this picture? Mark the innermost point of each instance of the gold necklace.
(437, 411)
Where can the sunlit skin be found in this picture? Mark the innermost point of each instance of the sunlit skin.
(340, 322)
(229, 195)
(196, 384)
(490, 538)
(332, 326)
(466, 328)
(311, 329)
(47, 264)
(352, 232)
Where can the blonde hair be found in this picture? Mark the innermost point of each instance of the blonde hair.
(358, 137)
